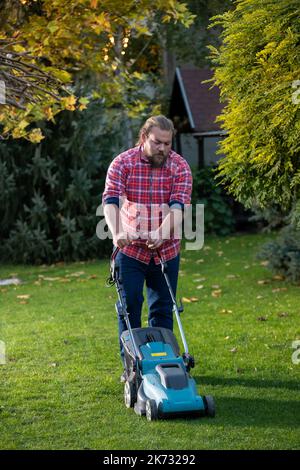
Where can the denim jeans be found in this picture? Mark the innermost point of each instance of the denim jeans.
(133, 274)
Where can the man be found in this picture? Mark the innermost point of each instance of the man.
(145, 192)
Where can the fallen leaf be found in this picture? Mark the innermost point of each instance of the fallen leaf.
(200, 286)
(93, 276)
(263, 281)
(262, 318)
(207, 247)
(283, 314)
(216, 293)
(264, 263)
(279, 289)
(77, 274)
(23, 302)
(278, 277)
(231, 276)
(200, 261)
(227, 337)
(225, 310)
(233, 350)
(23, 297)
(54, 364)
(259, 297)
(215, 286)
(185, 299)
(194, 299)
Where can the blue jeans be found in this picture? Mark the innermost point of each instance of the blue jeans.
(133, 274)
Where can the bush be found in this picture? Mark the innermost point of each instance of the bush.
(283, 254)
(218, 216)
(50, 192)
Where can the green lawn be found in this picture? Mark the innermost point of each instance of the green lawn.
(60, 385)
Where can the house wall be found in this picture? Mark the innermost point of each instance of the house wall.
(210, 150)
(190, 150)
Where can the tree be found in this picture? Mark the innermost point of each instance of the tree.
(53, 40)
(257, 69)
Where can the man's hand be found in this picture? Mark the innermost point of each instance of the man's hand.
(154, 240)
(123, 239)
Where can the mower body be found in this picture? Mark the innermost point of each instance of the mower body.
(162, 379)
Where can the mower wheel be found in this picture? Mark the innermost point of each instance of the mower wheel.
(151, 410)
(129, 394)
(209, 403)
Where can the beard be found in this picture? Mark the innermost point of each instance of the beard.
(157, 160)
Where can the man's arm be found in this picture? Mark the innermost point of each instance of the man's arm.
(114, 222)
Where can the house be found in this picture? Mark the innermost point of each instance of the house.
(194, 106)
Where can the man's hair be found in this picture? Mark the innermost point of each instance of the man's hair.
(160, 121)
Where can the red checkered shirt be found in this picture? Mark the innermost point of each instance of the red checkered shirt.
(144, 190)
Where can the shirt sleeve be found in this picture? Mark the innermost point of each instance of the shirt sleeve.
(115, 182)
(182, 186)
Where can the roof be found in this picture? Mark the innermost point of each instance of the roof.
(197, 101)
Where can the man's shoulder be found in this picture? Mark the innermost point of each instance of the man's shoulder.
(128, 155)
(178, 160)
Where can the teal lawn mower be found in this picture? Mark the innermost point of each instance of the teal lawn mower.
(158, 382)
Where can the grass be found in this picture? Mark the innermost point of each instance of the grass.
(60, 385)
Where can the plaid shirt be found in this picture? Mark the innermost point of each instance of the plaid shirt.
(144, 191)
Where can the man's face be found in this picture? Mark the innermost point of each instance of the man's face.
(157, 146)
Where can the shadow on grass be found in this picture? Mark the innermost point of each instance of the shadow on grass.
(261, 411)
(257, 412)
(245, 382)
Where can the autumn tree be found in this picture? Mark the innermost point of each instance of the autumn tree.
(44, 43)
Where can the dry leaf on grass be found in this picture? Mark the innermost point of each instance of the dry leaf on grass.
(189, 299)
(278, 277)
(264, 263)
(225, 310)
(262, 318)
(23, 296)
(217, 293)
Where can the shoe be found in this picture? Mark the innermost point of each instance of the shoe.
(123, 377)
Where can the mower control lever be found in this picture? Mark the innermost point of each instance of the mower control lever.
(189, 361)
(180, 307)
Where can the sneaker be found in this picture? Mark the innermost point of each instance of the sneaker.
(123, 377)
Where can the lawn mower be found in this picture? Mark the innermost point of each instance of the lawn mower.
(158, 383)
